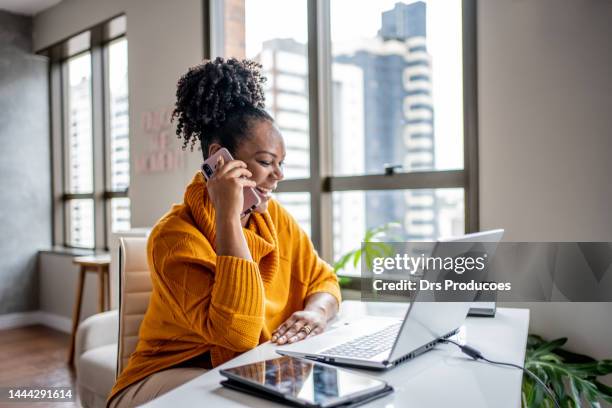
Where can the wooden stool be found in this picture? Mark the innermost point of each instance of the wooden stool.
(93, 263)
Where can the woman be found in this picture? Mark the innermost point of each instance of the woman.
(222, 284)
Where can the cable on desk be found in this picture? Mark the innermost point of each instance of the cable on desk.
(477, 355)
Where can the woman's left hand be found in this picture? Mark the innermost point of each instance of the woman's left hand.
(300, 325)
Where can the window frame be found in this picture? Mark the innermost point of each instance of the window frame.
(322, 183)
(100, 36)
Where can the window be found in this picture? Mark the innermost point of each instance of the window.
(90, 136)
(369, 96)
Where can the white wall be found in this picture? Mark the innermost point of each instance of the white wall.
(545, 124)
(57, 291)
(25, 195)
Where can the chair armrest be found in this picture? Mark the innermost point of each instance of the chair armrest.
(98, 330)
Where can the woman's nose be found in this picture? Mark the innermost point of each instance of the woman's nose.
(278, 173)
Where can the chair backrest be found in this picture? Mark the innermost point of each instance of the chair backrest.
(134, 293)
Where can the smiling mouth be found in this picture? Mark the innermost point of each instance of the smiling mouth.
(265, 193)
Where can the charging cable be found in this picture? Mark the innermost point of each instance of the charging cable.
(477, 355)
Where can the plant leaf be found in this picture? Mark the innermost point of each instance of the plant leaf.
(593, 369)
(356, 257)
(341, 263)
(575, 395)
(605, 391)
(547, 347)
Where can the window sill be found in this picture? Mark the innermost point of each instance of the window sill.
(68, 251)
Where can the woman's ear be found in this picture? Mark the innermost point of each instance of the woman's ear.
(213, 148)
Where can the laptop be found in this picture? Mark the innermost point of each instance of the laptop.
(378, 342)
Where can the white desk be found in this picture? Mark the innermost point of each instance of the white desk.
(442, 377)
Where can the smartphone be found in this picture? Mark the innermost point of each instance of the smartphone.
(251, 199)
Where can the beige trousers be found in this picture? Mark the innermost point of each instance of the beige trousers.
(154, 385)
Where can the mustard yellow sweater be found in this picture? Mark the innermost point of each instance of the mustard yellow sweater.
(222, 304)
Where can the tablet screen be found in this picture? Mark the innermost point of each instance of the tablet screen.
(304, 380)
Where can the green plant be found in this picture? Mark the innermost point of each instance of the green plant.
(373, 248)
(572, 377)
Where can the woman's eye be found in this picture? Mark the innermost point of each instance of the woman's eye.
(264, 163)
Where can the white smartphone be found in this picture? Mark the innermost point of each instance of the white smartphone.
(209, 167)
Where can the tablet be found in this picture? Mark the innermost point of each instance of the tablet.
(304, 382)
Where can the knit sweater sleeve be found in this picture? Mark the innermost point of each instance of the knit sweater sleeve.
(320, 275)
(219, 298)
(315, 273)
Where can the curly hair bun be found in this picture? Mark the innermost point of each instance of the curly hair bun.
(211, 91)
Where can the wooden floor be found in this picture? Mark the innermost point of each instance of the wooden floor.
(35, 356)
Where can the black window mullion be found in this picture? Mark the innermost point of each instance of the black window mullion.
(470, 116)
(398, 181)
(319, 79)
(314, 129)
(65, 140)
(107, 193)
(57, 155)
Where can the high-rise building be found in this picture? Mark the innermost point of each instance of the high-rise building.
(285, 66)
(404, 21)
(348, 130)
(399, 121)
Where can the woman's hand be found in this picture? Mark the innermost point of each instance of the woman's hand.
(226, 185)
(300, 325)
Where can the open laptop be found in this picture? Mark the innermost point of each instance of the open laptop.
(381, 342)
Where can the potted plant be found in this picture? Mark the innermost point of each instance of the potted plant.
(570, 376)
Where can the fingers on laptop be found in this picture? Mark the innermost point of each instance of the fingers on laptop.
(278, 335)
(287, 332)
(295, 333)
(315, 331)
(291, 331)
(305, 331)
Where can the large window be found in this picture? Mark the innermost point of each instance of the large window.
(90, 136)
(369, 96)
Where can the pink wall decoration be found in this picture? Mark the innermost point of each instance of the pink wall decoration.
(161, 154)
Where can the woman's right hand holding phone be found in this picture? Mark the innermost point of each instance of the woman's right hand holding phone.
(225, 187)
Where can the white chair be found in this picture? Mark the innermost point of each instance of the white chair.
(134, 293)
(96, 358)
(105, 341)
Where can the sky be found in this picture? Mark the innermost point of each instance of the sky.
(355, 19)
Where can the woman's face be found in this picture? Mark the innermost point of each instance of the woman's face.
(264, 154)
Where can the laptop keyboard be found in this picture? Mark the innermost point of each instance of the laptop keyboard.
(366, 346)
